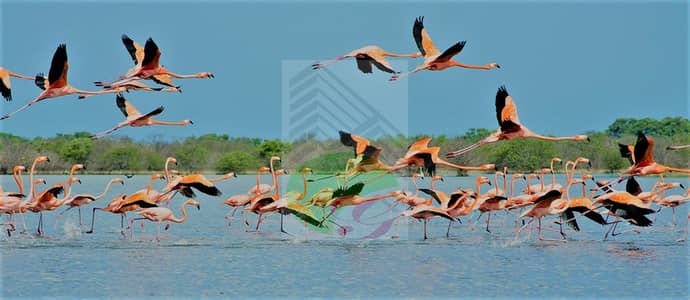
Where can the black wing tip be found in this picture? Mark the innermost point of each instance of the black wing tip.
(419, 21)
(502, 90)
(125, 37)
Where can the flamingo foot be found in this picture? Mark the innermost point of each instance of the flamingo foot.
(167, 226)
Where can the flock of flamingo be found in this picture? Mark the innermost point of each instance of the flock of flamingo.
(632, 205)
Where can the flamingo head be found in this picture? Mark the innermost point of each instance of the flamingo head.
(120, 180)
(75, 179)
(581, 137)
(187, 121)
(483, 180)
(171, 159)
(205, 75)
(437, 178)
(193, 203)
(41, 159)
(264, 169)
(77, 167)
(518, 175)
(487, 167)
(545, 170)
(19, 168)
(157, 176)
(307, 170)
(493, 65)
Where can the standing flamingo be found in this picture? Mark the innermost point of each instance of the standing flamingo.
(5, 85)
(57, 78)
(367, 56)
(112, 207)
(163, 214)
(241, 200)
(510, 127)
(434, 60)
(83, 199)
(136, 119)
(426, 212)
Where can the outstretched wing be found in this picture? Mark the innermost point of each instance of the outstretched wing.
(644, 150)
(364, 64)
(452, 51)
(627, 152)
(506, 111)
(57, 76)
(152, 55)
(41, 82)
(357, 142)
(380, 62)
(5, 88)
(125, 107)
(163, 80)
(421, 37)
(134, 49)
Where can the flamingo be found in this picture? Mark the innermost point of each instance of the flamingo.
(289, 204)
(143, 198)
(679, 147)
(112, 207)
(367, 56)
(241, 200)
(197, 181)
(674, 201)
(5, 85)
(510, 127)
(538, 187)
(163, 214)
(150, 67)
(57, 78)
(626, 206)
(426, 212)
(549, 203)
(257, 203)
(48, 201)
(135, 119)
(644, 163)
(420, 155)
(137, 53)
(582, 204)
(11, 201)
(434, 60)
(83, 199)
(456, 202)
(259, 188)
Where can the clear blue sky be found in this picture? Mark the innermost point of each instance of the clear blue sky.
(571, 67)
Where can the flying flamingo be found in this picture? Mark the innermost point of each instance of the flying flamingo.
(57, 78)
(183, 184)
(367, 56)
(510, 127)
(150, 67)
(434, 60)
(83, 199)
(678, 147)
(137, 53)
(645, 164)
(135, 119)
(420, 155)
(5, 85)
(163, 214)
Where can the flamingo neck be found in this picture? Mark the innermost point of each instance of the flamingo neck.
(167, 171)
(18, 179)
(104, 191)
(184, 214)
(304, 184)
(157, 122)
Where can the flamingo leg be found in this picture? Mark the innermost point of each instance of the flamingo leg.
(93, 216)
(673, 220)
(488, 219)
(403, 75)
(448, 230)
(685, 232)
(324, 63)
(131, 224)
(517, 233)
(282, 229)
(463, 150)
(541, 238)
(425, 235)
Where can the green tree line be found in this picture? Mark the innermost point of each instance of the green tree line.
(221, 153)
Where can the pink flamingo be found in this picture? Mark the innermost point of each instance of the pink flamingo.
(510, 126)
(84, 199)
(163, 214)
(367, 56)
(57, 82)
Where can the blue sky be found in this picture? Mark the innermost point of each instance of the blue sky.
(571, 67)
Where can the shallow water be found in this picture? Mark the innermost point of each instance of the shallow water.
(205, 257)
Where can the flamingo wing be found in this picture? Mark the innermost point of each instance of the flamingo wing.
(421, 37)
(152, 55)
(418, 146)
(352, 190)
(364, 64)
(200, 183)
(644, 150)
(57, 76)
(304, 213)
(357, 142)
(548, 196)
(134, 49)
(41, 82)
(163, 80)
(627, 152)
(506, 111)
(5, 87)
(380, 62)
(450, 52)
(633, 187)
(125, 107)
